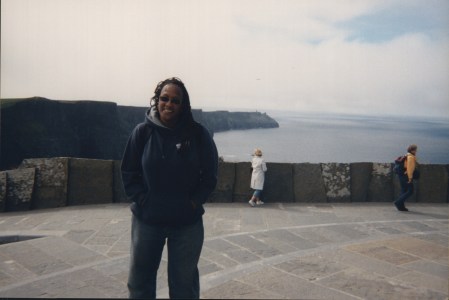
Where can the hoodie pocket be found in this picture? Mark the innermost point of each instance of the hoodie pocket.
(167, 209)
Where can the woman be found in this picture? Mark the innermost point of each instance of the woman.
(169, 169)
(406, 178)
(257, 177)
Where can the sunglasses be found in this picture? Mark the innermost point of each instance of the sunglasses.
(172, 100)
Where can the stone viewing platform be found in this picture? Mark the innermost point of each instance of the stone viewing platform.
(57, 182)
(319, 236)
(275, 251)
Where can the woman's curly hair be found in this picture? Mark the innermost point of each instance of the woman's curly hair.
(186, 109)
(186, 114)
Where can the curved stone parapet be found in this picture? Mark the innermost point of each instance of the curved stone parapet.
(54, 182)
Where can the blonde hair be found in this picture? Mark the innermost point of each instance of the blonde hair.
(257, 152)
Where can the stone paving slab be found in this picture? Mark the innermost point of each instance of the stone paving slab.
(276, 251)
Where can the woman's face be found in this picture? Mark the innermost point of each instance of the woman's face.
(170, 105)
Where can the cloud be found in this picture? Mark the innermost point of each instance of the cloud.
(399, 18)
(293, 55)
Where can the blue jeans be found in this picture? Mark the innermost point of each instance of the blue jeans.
(406, 191)
(184, 246)
(257, 193)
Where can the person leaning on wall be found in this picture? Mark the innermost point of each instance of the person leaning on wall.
(259, 168)
(169, 169)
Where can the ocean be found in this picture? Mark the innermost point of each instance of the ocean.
(321, 138)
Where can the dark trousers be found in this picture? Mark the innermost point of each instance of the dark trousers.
(184, 246)
(407, 190)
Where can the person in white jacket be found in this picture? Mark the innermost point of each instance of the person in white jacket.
(257, 177)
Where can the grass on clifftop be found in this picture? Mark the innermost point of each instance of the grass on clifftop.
(4, 103)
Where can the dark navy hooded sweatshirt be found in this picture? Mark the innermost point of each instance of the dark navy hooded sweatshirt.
(168, 180)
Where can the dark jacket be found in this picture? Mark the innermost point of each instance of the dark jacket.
(168, 181)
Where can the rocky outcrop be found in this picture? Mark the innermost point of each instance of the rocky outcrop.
(218, 121)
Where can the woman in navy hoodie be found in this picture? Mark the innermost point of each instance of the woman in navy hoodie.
(169, 169)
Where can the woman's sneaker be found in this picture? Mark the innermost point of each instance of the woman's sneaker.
(260, 202)
(252, 203)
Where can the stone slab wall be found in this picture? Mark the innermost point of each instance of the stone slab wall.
(361, 174)
(3, 191)
(447, 172)
(225, 185)
(278, 188)
(381, 184)
(242, 191)
(433, 184)
(20, 183)
(337, 181)
(308, 183)
(90, 181)
(54, 182)
(51, 181)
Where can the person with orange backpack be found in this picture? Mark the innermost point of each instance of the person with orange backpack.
(405, 167)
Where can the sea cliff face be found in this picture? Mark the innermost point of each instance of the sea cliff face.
(218, 121)
(39, 127)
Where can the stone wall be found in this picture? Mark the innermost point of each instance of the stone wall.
(90, 181)
(55, 182)
(19, 189)
(51, 181)
(3, 188)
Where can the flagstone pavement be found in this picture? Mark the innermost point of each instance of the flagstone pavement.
(277, 251)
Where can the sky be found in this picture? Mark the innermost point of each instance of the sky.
(374, 57)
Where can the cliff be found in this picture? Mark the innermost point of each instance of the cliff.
(224, 120)
(214, 121)
(39, 127)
